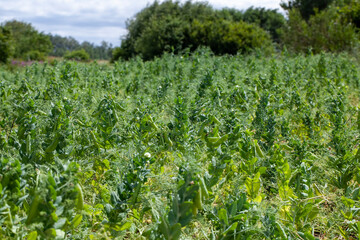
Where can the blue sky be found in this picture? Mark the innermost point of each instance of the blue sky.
(94, 20)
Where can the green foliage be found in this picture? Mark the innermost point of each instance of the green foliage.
(267, 19)
(35, 55)
(117, 53)
(77, 55)
(182, 147)
(306, 8)
(27, 39)
(6, 45)
(324, 31)
(63, 44)
(173, 27)
(224, 37)
(163, 34)
(102, 51)
(351, 12)
(154, 30)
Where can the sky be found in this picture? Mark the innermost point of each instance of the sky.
(94, 20)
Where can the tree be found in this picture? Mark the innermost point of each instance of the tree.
(351, 10)
(6, 48)
(172, 27)
(306, 7)
(140, 26)
(324, 31)
(227, 37)
(78, 55)
(61, 45)
(163, 34)
(268, 19)
(27, 39)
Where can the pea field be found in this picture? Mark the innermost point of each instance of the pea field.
(182, 147)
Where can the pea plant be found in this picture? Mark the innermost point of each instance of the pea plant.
(181, 147)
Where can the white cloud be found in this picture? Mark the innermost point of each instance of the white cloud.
(73, 7)
(93, 20)
(244, 4)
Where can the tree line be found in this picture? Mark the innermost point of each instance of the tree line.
(309, 26)
(64, 45)
(170, 26)
(20, 40)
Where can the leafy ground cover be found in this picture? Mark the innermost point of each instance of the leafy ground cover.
(191, 147)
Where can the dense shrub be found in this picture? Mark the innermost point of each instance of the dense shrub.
(325, 31)
(35, 56)
(77, 55)
(116, 54)
(225, 37)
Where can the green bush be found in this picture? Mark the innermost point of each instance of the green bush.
(117, 53)
(35, 56)
(225, 37)
(325, 31)
(77, 55)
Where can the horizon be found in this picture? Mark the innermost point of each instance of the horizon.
(89, 21)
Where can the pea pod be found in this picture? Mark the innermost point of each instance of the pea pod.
(33, 212)
(197, 200)
(258, 149)
(221, 140)
(194, 209)
(201, 130)
(21, 131)
(10, 217)
(286, 147)
(96, 113)
(204, 191)
(80, 123)
(281, 230)
(167, 139)
(80, 197)
(212, 139)
(93, 137)
(215, 120)
(116, 117)
(41, 112)
(53, 145)
(119, 107)
(153, 125)
(28, 144)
